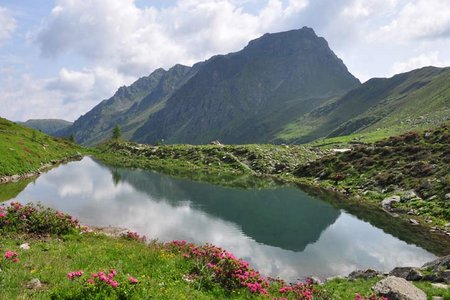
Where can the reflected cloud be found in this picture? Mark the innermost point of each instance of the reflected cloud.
(244, 222)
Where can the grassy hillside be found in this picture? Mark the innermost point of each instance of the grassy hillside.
(416, 164)
(25, 150)
(381, 107)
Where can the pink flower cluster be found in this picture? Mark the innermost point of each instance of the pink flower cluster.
(11, 255)
(34, 218)
(300, 290)
(233, 273)
(102, 279)
(106, 278)
(131, 235)
(73, 275)
(132, 280)
(227, 269)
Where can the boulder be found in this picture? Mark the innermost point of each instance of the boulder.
(441, 263)
(395, 288)
(387, 202)
(408, 195)
(363, 274)
(25, 246)
(408, 273)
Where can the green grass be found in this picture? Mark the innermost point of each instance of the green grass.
(25, 150)
(346, 289)
(389, 106)
(160, 273)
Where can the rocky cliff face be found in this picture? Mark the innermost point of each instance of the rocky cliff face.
(248, 96)
(242, 97)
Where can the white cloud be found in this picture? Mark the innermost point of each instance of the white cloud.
(7, 25)
(136, 41)
(364, 9)
(423, 60)
(420, 19)
(66, 96)
(73, 81)
(99, 45)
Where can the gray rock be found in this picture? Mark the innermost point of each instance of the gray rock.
(363, 274)
(408, 273)
(315, 280)
(395, 288)
(445, 276)
(387, 202)
(447, 196)
(409, 195)
(34, 284)
(413, 221)
(441, 263)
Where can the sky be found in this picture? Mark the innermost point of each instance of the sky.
(58, 59)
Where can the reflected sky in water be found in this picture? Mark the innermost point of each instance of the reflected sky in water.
(282, 232)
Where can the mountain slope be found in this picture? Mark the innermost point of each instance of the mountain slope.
(130, 106)
(250, 95)
(416, 99)
(49, 126)
(242, 97)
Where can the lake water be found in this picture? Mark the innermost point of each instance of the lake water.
(283, 232)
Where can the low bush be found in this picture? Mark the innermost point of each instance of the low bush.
(35, 219)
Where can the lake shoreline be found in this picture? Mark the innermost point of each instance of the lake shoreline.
(36, 173)
(211, 166)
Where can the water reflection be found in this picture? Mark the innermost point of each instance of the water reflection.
(282, 232)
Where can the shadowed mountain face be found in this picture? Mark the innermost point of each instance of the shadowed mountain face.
(269, 216)
(242, 97)
(130, 106)
(248, 96)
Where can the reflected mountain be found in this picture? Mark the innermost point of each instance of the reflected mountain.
(269, 216)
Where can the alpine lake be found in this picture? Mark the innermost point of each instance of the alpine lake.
(281, 230)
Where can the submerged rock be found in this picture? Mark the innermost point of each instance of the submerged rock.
(395, 288)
